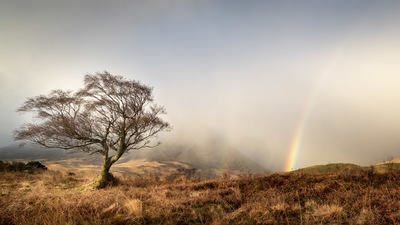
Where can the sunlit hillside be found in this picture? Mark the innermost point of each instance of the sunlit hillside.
(209, 161)
(337, 167)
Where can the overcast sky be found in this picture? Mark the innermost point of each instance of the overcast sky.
(256, 73)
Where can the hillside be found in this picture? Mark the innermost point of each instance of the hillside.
(211, 159)
(332, 167)
(348, 167)
(344, 197)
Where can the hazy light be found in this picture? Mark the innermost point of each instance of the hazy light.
(290, 85)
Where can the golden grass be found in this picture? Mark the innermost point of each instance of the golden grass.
(134, 206)
(346, 197)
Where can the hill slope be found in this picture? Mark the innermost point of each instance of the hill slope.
(345, 197)
(340, 167)
(210, 159)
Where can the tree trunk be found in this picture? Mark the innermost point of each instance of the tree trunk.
(105, 178)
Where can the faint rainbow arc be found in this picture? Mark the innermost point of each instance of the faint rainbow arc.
(298, 137)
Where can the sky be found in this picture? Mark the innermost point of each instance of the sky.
(288, 83)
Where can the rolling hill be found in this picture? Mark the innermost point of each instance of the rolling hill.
(340, 167)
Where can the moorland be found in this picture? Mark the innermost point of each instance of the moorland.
(328, 194)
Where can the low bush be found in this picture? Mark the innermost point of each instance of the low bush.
(21, 166)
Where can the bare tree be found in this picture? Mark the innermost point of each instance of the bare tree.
(109, 116)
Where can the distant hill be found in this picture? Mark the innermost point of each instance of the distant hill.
(211, 159)
(212, 155)
(337, 167)
(332, 167)
(28, 151)
(390, 161)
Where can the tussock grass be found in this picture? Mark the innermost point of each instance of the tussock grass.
(336, 197)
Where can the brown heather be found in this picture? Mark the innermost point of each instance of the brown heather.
(341, 197)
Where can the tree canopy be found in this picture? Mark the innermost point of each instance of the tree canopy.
(110, 116)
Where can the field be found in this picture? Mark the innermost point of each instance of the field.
(341, 194)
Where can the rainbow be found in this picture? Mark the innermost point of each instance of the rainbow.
(299, 134)
(295, 147)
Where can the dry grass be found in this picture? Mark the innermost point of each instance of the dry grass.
(344, 197)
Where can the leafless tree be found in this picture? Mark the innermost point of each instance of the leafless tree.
(109, 116)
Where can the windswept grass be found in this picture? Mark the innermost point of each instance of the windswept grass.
(336, 197)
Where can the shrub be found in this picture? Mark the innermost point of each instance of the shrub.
(21, 166)
(35, 165)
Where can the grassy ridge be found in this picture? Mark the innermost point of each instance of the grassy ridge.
(332, 167)
(340, 167)
(355, 196)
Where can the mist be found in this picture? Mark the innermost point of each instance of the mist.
(252, 73)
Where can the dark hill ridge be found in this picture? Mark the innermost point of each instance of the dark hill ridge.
(30, 151)
(210, 159)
